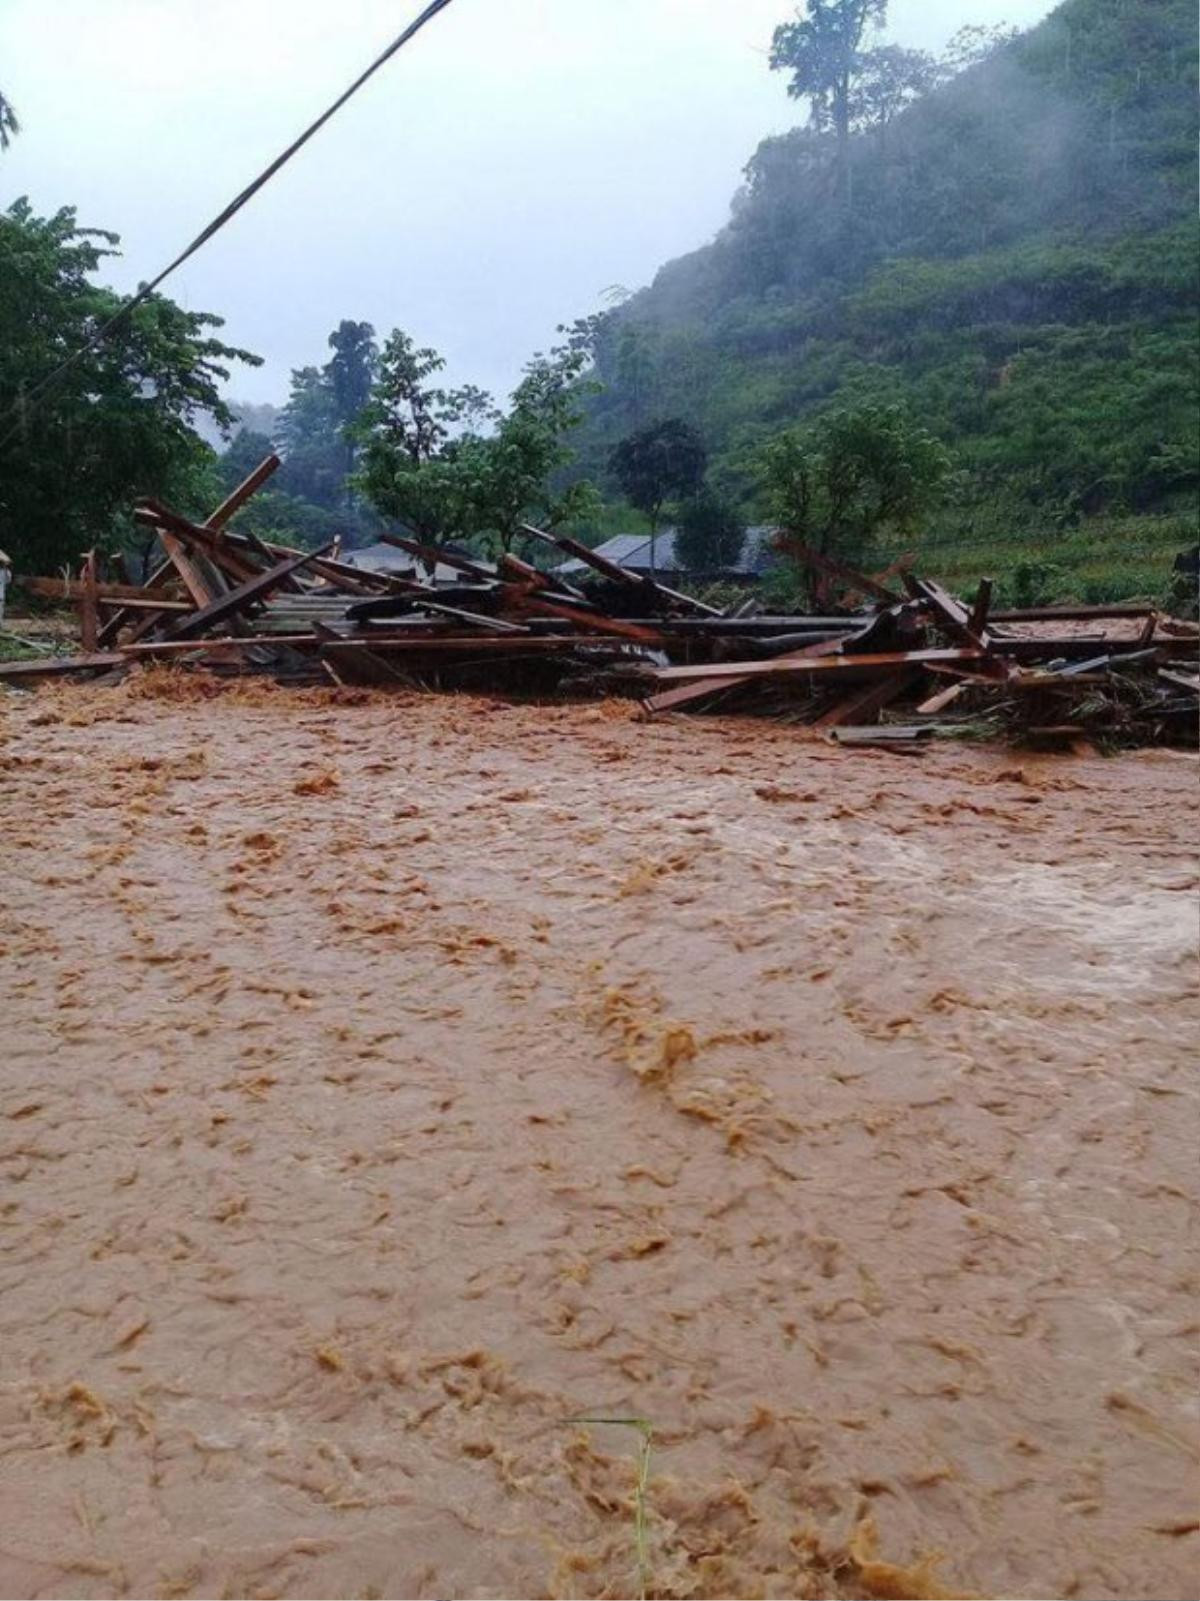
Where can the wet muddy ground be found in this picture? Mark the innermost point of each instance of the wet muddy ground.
(388, 1081)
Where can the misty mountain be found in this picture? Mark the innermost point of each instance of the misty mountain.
(1016, 264)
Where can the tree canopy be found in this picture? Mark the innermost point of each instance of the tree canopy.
(836, 483)
(821, 49)
(711, 533)
(118, 424)
(662, 462)
(8, 123)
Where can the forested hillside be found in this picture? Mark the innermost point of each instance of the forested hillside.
(1011, 255)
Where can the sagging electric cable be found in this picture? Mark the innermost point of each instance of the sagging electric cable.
(29, 400)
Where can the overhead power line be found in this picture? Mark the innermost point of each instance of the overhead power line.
(32, 397)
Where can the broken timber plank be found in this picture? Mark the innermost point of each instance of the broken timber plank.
(836, 569)
(227, 606)
(238, 497)
(477, 644)
(977, 622)
(614, 571)
(523, 573)
(793, 666)
(89, 610)
(673, 699)
(431, 555)
(866, 700)
(193, 580)
(943, 698)
(52, 665)
(154, 648)
(595, 623)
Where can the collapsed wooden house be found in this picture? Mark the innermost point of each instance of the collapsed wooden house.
(233, 602)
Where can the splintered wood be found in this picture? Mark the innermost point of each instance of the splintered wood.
(232, 601)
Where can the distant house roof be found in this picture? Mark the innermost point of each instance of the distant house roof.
(633, 551)
(383, 558)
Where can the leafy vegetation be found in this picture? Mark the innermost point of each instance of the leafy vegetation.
(8, 123)
(835, 484)
(662, 462)
(448, 464)
(120, 422)
(1010, 257)
(711, 533)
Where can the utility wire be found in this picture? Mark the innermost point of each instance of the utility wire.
(31, 398)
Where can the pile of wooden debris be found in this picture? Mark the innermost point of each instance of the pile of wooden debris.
(232, 602)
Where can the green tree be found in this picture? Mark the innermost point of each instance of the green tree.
(412, 464)
(711, 535)
(8, 123)
(890, 78)
(663, 462)
(973, 43)
(837, 483)
(120, 422)
(317, 424)
(515, 473)
(349, 373)
(309, 435)
(245, 452)
(822, 51)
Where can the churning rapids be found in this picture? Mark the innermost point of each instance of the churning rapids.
(388, 1081)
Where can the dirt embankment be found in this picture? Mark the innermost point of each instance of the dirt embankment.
(386, 1083)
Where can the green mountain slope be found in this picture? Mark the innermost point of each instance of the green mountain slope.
(1019, 266)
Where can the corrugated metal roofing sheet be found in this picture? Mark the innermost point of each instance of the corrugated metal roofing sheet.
(633, 550)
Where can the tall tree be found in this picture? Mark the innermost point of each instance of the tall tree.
(410, 465)
(822, 51)
(662, 462)
(350, 371)
(121, 422)
(309, 435)
(890, 77)
(711, 535)
(316, 427)
(513, 472)
(836, 483)
(8, 123)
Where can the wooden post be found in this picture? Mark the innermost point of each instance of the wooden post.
(89, 610)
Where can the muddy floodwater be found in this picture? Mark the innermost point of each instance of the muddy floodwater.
(387, 1082)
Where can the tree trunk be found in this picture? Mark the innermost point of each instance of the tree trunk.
(841, 122)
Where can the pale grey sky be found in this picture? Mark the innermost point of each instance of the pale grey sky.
(512, 163)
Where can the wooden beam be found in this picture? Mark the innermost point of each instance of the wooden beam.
(474, 644)
(823, 666)
(238, 498)
(48, 666)
(194, 580)
(977, 622)
(154, 648)
(228, 562)
(1068, 614)
(686, 694)
(588, 622)
(942, 698)
(524, 573)
(846, 576)
(432, 554)
(614, 571)
(89, 610)
(866, 700)
(227, 606)
(163, 574)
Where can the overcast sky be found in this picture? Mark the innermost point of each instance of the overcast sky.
(513, 162)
